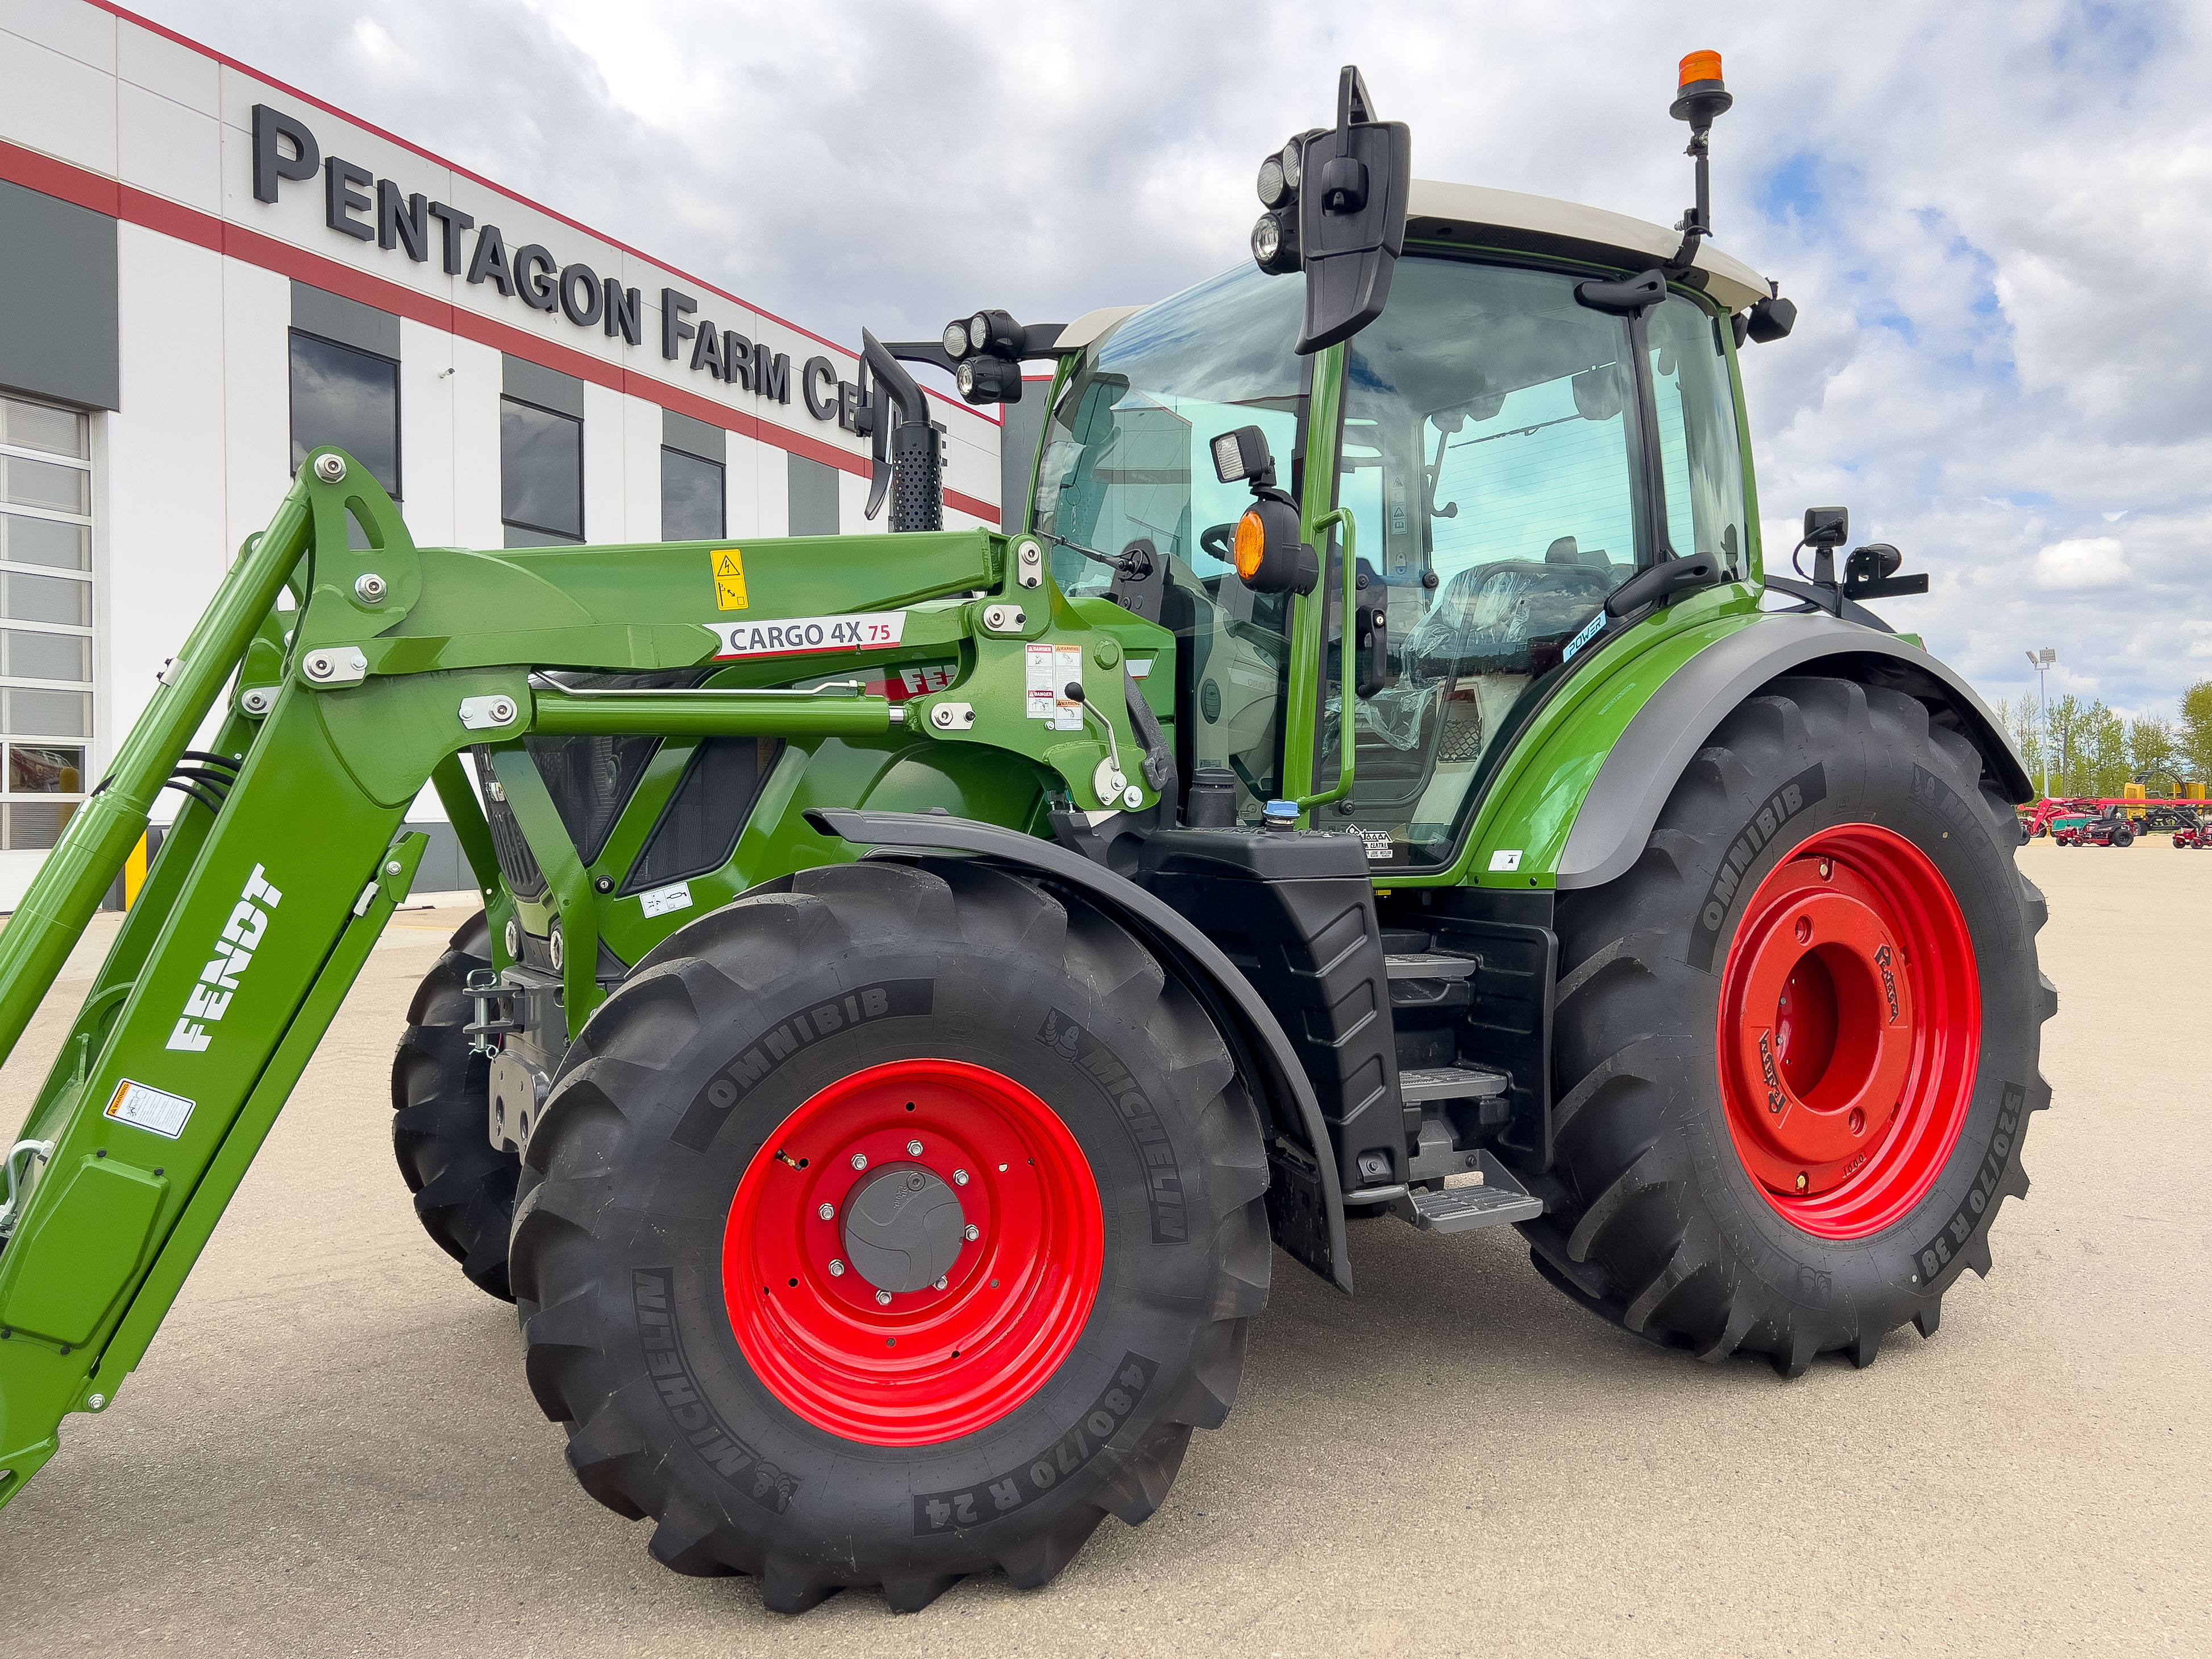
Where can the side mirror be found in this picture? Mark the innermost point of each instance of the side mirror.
(1827, 527)
(1266, 548)
(1337, 202)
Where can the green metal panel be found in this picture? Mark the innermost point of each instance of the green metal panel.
(1530, 803)
(82, 1248)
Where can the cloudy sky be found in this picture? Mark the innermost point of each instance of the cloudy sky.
(1996, 218)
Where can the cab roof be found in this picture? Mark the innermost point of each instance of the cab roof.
(1482, 216)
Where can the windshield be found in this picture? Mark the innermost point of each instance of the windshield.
(1125, 458)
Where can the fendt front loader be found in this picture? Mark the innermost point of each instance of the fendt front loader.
(918, 976)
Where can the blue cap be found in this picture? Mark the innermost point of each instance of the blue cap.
(1284, 811)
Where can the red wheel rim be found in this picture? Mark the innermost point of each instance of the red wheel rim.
(1850, 1022)
(912, 1366)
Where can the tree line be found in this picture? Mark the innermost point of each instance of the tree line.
(2090, 750)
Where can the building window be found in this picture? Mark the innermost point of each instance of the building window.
(541, 475)
(690, 498)
(813, 497)
(345, 396)
(46, 600)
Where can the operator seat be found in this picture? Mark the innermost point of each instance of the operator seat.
(1567, 551)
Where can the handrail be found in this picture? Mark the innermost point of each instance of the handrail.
(1341, 515)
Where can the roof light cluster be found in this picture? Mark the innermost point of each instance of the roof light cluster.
(986, 350)
(1275, 238)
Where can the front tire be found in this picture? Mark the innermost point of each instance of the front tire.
(868, 1423)
(1796, 1045)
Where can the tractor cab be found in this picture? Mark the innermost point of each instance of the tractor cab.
(1513, 440)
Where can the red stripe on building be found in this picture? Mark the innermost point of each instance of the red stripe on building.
(158, 214)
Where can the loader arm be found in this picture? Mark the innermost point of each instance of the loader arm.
(266, 898)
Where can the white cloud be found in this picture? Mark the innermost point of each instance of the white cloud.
(2081, 562)
(1994, 215)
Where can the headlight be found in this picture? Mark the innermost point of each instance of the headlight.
(1267, 240)
(1292, 164)
(956, 340)
(979, 331)
(1273, 181)
(963, 376)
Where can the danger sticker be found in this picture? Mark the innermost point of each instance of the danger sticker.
(728, 564)
(1050, 669)
(795, 636)
(153, 1110)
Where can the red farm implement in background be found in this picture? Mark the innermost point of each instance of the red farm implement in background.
(2144, 816)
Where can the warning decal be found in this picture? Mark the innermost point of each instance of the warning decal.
(151, 1110)
(728, 564)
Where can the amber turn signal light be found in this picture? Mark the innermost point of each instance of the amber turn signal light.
(1251, 544)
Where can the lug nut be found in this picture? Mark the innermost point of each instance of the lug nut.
(1801, 1182)
(971, 1232)
(99, 1402)
(883, 1298)
(1827, 869)
(940, 1284)
(827, 1211)
(960, 1177)
(913, 1149)
(1804, 930)
(836, 1268)
(860, 1160)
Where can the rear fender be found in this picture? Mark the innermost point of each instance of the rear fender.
(1624, 800)
(1263, 1052)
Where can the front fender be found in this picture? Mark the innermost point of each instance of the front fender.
(1272, 1064)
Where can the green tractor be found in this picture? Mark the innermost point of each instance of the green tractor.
(920, 977)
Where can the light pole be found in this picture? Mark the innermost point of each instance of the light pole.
(2041, 661)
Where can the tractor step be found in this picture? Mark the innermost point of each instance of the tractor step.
(1449, 1083)
(1429, 964)
(1492, 1200)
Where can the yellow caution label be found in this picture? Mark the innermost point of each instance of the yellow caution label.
(729, 567)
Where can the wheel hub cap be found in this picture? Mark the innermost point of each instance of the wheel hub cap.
(903, 1228)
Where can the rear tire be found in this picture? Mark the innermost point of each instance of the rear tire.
(1684, 1221)
(464, 1186)
(692, 1137)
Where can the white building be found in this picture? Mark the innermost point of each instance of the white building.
(204, 272)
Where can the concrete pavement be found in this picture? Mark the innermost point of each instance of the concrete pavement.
(330, 1448)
